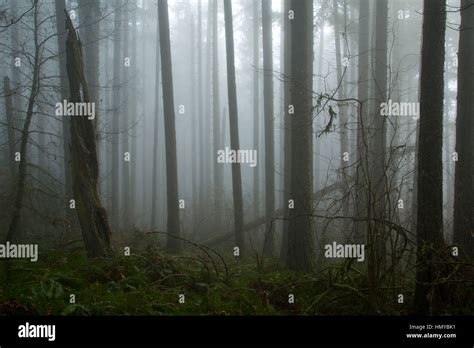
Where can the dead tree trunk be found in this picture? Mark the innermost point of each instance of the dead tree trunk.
(85, 167)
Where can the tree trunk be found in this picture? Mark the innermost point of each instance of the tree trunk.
(287, 131)
(218, 168)
(64, 94)
(360, 227)
(85, 166)
(269, 242)
(16, 76)
(7, 92)
(430, 177)
(207, 115)
(194, 131)
(234, 128)
(342, 107)
(173, 244)
(155, 184)
(89, 16)
(125, 124)
(202, 181)
(463, 229)
(118, 62)
(300, 234)
(256, 107)
(377, 188)
(133, 116)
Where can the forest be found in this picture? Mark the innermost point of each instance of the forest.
(237, 157)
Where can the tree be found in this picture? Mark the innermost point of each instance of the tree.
(92, 216)
(89, 16)
(218, 169)
(342, 107)
(173, 244)
(10, 132)
(377, 146)
(429, 230)
(300, 233)
(287, 130)
(463, 229)
(125, 120)
(155, 183)
(269, 243)
(256, 106)
(64, 94)
(133, 116)
(234, 127)
(360, 226)
(114, 211)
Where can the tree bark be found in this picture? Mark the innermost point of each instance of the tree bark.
(256, 107)
(287, 131)
(300, 232)
(118, 62)
(218, 168)
(64, 94)
(463, 229)
(430, 177)
(234, 128)
(7, 92)
(269, 242)
(173, 227)
(360, 227)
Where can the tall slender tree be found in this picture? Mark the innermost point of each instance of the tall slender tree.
(360, 227)
(234, 127)
(64, 94)
(126, 160)
(218, 169)
(173, 244)
(133, 116)
(429, 229)
(156, 126)
(269, 243)
(287, 130)
(300, 233)
(117, 72)
(463, 229)
(256, 106)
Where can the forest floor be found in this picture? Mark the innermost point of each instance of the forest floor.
(150, 283)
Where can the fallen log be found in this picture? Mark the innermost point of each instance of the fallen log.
(279, 212)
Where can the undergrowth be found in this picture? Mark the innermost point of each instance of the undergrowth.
(150, 283)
